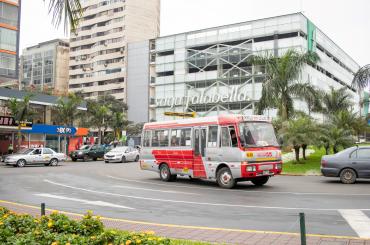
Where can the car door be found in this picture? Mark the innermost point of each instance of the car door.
(36, 156)
(47, 154)
(362, 163)
(93, 151)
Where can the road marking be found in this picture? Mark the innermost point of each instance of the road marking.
(186, 226)
(249, 191)
(190, 202)
(153, 190)
(359, 222)
(96, 203)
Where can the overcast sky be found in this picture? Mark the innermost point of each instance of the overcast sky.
(346, 22)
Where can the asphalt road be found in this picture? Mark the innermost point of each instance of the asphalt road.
(122, 190)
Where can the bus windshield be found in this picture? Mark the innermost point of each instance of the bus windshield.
(257, 134)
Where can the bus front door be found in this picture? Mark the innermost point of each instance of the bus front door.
(199, 152)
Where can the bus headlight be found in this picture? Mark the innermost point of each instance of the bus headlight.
(278, 166)
(251, 168)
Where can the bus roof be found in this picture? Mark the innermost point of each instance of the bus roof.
(199, 121)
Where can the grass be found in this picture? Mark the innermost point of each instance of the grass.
(311, 166)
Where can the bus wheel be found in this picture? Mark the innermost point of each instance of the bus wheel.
(165, 173)
(225, 178)
(260, 181)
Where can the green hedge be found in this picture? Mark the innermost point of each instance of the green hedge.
(58, 229)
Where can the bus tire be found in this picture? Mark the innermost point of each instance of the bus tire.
(260, 181)
(165, 172)
(225, 178)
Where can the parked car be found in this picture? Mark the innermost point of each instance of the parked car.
(122, 154)
(45, 156)
(348, 165)
(87, 152)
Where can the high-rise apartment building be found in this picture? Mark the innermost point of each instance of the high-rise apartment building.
(9, 40)
(44, 67)
(98, 50)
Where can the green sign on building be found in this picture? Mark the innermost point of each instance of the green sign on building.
(311, 36)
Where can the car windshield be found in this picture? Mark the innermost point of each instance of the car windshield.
(256, 134)
(84, 147)
(119, 149)
(24, 151)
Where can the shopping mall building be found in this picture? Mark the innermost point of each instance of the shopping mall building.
(208, 71)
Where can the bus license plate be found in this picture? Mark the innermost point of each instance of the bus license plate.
(266, 172)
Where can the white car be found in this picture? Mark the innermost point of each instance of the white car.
(122, 154)
(30, 156)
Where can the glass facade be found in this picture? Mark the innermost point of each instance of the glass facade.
(8, 40)
(209, 71)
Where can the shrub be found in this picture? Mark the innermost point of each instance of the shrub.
(58, 229)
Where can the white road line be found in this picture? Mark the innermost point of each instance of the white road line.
(96, 203)
(359, 222)
(190, 202)
(153, 190)
(245, 191)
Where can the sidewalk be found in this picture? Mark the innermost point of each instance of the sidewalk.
(290, 156)
(206, 234)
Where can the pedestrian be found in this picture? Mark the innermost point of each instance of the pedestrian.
(10, 148)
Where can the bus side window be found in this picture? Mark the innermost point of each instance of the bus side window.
(175, 137)
(212, 136)
(234, 139)
(163, 137)
(155, 140)
(225, 137)
(185, 137)
(147, 138)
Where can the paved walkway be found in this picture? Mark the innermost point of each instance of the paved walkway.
(207, 234)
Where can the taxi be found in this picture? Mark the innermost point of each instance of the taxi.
(30, 156)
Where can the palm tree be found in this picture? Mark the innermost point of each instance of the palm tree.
(68, 11)
(21, 112)
(98, 115)
(281, 84)
(362, 78)
(298, 133)
(67, 112)
(118, 122)
(336, 100)
(349, 120)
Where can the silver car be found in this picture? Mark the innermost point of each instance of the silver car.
(44, 156)
(348, 165)
(122, 154)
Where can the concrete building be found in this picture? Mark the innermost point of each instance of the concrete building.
(44, 67)
(207, 71)
(9, 40)
(98, 55)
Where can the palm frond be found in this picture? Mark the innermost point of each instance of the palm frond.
(362, 78)
(68, 11)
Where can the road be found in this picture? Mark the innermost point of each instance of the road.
(122, 190)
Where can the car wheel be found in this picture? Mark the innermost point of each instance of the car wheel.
(106, 161)
(74, 159)
(348, 176)
(95, 158)
(53, 162)
(165, 173)
(123, 159)
(21, 163)
(85, 159)
(260, 181)
(137, 158)
(225, 179)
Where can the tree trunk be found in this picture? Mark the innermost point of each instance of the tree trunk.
(335, 150)
(65, 144)
(19, 141)
(304, 147)
(326, 150)
(99, 136)
(296, 150)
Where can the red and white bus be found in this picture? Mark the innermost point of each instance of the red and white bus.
(226, 148)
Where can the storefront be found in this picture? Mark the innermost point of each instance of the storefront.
(55, 137)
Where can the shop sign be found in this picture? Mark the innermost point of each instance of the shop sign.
(9, 121)
(52, 129)
(233, 96)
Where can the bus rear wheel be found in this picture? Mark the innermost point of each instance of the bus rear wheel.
(260, 181)
(225, 179)
(165, 173)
